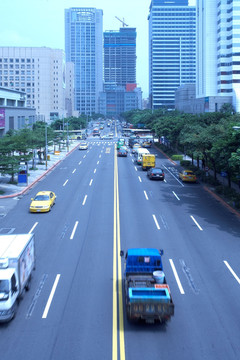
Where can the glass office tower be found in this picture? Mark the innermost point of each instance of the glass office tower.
(84, 47)
(172, 50)
(120, 56)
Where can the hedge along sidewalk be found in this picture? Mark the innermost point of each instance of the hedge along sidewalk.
(13, 190)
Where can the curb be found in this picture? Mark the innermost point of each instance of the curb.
(39, 178)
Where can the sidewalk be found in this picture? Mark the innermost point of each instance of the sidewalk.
(14, 190)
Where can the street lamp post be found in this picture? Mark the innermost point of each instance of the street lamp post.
(67, 139)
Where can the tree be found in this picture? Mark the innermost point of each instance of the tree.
(10, 161)
(227, 108)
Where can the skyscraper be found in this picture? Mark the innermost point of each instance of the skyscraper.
(84, 47)
(172, 49)
(218, 52)
(120, 89)
(120, 56)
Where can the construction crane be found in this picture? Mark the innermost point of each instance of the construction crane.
(122, 21)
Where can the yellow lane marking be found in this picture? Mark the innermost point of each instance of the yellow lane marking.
(120, 295)
(117, 275)
(114, 323)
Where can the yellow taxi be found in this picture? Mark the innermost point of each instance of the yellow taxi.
(42, 202)
(135, 147)
(187, 175)
(146, 144)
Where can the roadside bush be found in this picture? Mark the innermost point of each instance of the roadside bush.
(210, 180)
(185, 163)
(177, 157)
(14, 182)
(199, 173)
(219, 189)
(229, 194)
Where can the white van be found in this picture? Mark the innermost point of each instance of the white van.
(139, 153)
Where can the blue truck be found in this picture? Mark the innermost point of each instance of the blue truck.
(147, 294)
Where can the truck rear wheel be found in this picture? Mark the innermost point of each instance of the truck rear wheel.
(28, 284)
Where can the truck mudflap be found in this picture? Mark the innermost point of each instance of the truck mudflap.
(150, 311)
(150, 304)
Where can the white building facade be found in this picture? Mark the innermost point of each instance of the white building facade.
(218, 50)
(40, 73)
(84, 47)
(14, 114)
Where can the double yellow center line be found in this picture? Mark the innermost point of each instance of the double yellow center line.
(117, 331)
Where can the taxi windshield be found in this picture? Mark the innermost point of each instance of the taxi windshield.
(41, 198)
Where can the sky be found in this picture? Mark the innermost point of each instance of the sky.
(41, 23)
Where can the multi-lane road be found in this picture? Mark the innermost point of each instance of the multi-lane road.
(75, 307)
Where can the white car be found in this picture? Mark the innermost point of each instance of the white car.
(83, 145)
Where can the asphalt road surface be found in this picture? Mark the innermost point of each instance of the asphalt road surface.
(74, 309)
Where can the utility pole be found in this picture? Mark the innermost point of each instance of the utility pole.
(67, 139)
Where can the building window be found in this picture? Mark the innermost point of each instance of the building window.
(11, 122)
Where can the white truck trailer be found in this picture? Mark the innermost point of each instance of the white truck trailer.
(17, 261)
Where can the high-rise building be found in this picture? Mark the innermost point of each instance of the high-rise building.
(40, 73)
(120, 56)
(120, 89)
(172, 50)
(218, 53)
(84, 47)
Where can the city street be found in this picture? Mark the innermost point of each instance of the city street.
(104, 204)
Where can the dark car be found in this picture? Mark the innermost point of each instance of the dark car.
(122, 152)
(155, 173)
